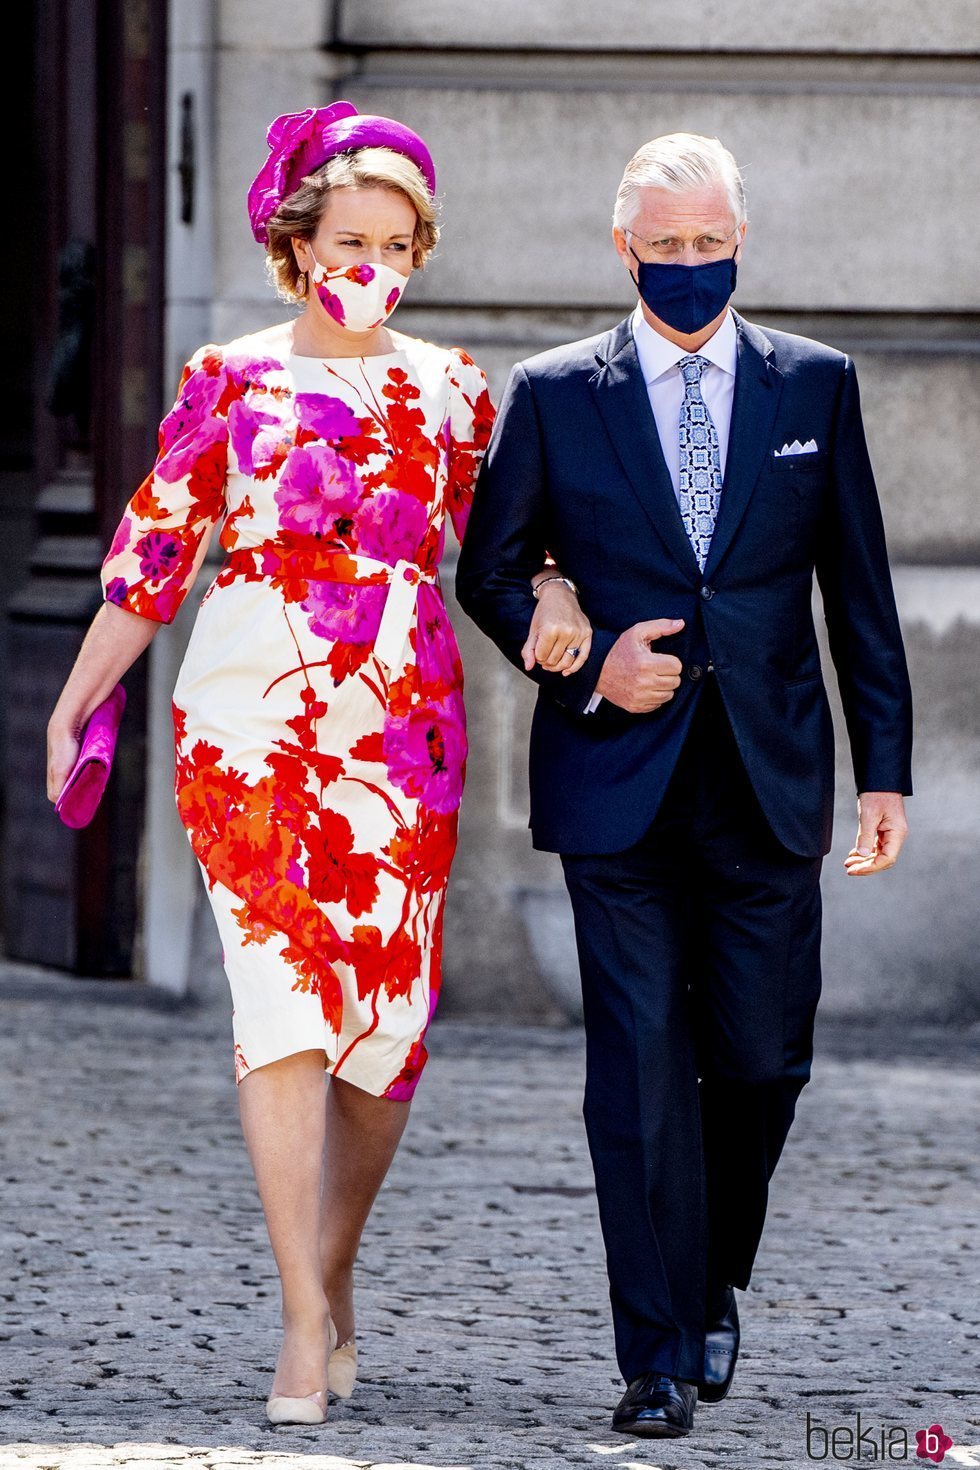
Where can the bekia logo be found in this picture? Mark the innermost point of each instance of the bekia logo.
(859, 1441)
(932, 1443)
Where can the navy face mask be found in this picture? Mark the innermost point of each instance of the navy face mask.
(686, 297)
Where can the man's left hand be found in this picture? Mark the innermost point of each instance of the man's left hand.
(882, 829)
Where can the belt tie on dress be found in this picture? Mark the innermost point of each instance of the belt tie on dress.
(282, 562)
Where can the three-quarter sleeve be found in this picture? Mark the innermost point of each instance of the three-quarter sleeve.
(471, 415)
(166, 527)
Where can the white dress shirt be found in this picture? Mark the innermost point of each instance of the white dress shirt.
(665, 385)
(659, 361)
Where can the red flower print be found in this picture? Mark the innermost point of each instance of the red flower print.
(157, 551)
(206, 483)
(144, 505)
(229, 531)
(320, 793)
(403, 1087)
(414, 457)
(345, 659)
(401, 693)
(466, 447)
(247, 837)
(304, 724)
(425, 751)
(337, 872)
(393, 966)
(368, 748)
(294, 765)
(424, 854)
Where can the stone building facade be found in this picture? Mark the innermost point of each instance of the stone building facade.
(855, 124)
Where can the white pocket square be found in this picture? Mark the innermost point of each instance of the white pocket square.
(810, 447)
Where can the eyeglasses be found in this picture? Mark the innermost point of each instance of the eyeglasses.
(669, 248)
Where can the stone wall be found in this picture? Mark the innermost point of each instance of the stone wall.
(855, 125)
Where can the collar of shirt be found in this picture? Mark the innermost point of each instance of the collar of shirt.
(657, 356)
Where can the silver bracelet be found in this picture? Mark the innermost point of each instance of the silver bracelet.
(536, 587)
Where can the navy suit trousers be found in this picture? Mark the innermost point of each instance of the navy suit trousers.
(699, 949)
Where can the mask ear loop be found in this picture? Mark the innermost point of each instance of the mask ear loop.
(628, 231)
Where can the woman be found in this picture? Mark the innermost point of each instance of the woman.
(318, 713)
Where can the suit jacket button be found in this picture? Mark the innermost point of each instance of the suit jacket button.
(695, 672)
(707, 593)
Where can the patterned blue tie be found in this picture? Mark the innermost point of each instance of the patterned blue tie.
(700, 480)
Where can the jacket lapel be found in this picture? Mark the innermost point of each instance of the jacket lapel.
(758, 384)
(622, 399)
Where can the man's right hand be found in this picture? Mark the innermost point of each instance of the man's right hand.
(633, 676)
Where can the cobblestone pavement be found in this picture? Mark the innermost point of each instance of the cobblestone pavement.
(139, 1321)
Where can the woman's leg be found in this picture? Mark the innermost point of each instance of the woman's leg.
(283, 1121)
(362, 1134)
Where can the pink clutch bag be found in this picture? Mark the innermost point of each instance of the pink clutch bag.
(83, 790)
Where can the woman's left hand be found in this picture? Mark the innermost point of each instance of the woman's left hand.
(560, 635)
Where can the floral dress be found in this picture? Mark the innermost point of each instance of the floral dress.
(318, 712)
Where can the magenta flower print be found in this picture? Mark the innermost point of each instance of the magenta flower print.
(436, 650)
(198, 398)
(121, 539)
(362, 274)
(394, 295)
(425, 752)
(184, 451)
(318, 493)
(157, 551)
(391, 526)
(301, 729)
(330, 302)
(326, 417)
(244, 368)
(248, 430)
(340, 610)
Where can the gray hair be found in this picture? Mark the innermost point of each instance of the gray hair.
(679, 161)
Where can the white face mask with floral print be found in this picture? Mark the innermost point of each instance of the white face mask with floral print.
(358, 297)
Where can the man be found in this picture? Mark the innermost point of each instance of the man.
(689, 472)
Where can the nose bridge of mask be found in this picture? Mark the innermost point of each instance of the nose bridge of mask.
(321, 272)
(380, 270)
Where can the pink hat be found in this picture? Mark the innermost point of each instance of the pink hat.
(300, 142)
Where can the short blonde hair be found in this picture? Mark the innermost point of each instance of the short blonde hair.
(299, 215)
(679, 161)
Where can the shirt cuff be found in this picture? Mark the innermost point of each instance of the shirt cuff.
(593, 704)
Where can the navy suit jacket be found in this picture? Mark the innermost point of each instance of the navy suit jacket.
(575, 468)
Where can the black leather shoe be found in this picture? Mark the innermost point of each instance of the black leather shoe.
(721, 1342)
(656, 1406)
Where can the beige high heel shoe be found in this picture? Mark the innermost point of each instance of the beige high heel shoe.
(310, 1409)
(342, 1369)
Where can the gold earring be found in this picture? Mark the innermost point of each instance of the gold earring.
(301, 284)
